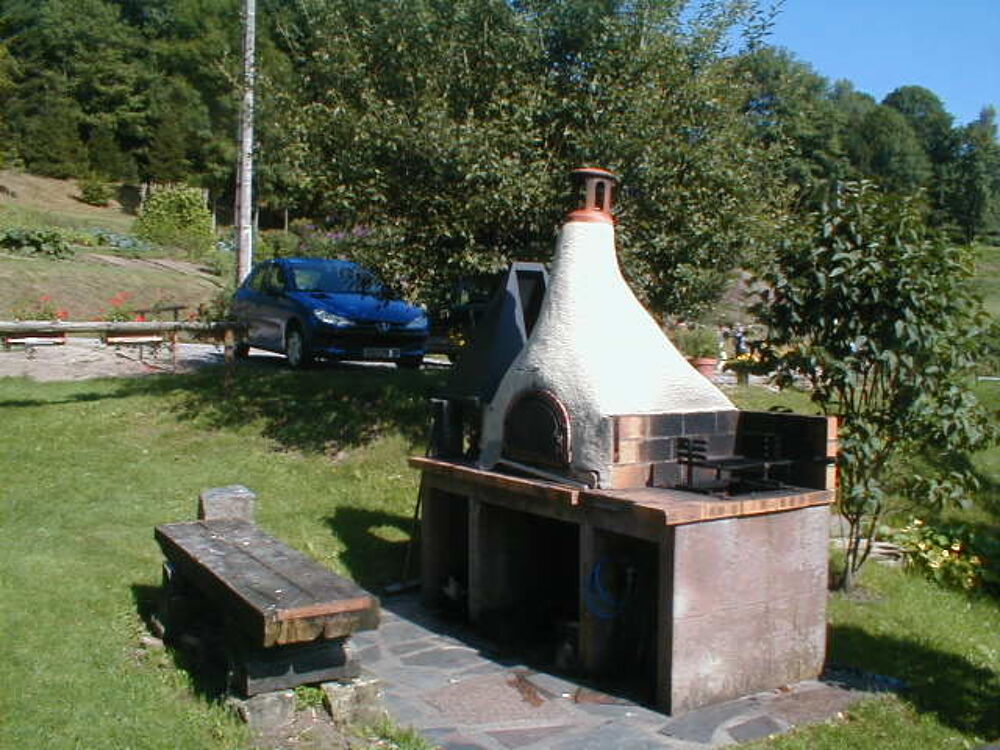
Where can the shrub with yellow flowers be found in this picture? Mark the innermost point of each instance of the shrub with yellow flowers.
(953, 555)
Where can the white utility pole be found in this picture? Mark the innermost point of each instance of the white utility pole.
(244, 170)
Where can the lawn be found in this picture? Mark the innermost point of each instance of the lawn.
(96, 465)
(89, 468)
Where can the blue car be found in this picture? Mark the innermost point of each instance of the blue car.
(308, 308)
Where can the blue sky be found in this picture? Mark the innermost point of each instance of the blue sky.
(951, 47)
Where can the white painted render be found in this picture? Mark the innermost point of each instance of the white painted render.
(599, 352)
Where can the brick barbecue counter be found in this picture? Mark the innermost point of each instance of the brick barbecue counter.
(689, 598)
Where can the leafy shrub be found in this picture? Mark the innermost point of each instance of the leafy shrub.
(95, 192)
(277, 243)
(177, 217)
(119, 241)
(698, 341)
(121, 309)
(46, 243)
(41, 309)
(951, 554)
(218, 308)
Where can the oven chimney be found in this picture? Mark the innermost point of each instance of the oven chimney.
(596, 195)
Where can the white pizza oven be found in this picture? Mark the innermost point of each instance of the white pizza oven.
(597, 376)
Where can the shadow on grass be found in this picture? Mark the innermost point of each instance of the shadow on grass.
(319, 411)
(375, 545)
(76, 398)
(201, 652)
(959, 693)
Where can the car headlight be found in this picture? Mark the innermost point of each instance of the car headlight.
(418, 322)
(325, 316)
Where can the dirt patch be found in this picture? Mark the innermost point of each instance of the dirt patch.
(83, 359)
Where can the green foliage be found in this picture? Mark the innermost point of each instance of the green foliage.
(42, 308)
(386, 734)
(697, 341)
(877, 315)
(308, 696)
(95, 191)
(177, 216)
(119, 240)
(455, 148)
(928, 119)
(888, 151)
(954, 555)
(792, 106)
(277, 243)
(973, 197)
(43, 243)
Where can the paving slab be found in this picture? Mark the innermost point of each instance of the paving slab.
(462, 692)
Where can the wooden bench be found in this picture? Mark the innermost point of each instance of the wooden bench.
(287, 616)
(35, 340)
(141, 340)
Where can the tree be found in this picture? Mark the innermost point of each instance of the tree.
(887, 150)
(6, 87)
(928, 118)
(448, 129)
(875, 312)
(974, 195)
(48, 138)
(80, 55)
(933, 127)
(790, 103)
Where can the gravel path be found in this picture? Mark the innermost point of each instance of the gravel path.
(82, 359)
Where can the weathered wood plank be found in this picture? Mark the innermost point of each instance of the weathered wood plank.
(276, 594)
(531, 487)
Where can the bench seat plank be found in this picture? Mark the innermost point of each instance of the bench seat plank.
(276, 594)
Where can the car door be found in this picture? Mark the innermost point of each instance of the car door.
(274, 308)
(248, 305)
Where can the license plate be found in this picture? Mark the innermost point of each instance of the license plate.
(380, 352)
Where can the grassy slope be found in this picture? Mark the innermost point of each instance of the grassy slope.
(84, 288)
(81, 286)
(33, 201)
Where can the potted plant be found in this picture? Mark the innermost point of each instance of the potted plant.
(700, 344)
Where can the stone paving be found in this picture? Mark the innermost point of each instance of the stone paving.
(461, 693)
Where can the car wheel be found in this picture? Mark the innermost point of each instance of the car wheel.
(296, 349)
(410, 363)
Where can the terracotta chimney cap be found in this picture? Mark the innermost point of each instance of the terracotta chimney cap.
(598, 195)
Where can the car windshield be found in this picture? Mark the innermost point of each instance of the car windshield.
(335, 279)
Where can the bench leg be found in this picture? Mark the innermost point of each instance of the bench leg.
(262, 670)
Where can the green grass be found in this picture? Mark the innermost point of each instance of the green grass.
(95, 465)
(89, 468)
(944, 646)
(84, 289)
(38, 218)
